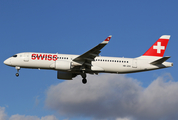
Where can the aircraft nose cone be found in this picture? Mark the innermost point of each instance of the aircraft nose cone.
(7, 62)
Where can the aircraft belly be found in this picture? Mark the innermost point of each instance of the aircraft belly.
(114, 67)
(37, 64)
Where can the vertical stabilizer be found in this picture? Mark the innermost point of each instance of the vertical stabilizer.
(159, 47)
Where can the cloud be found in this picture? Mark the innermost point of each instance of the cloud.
(3, 116)
(115, 97)
(51, 117)
(123, 119)
(95, 99)
(23, 117)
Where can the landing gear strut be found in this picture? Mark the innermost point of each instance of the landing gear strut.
(83, 74)
(18, 68)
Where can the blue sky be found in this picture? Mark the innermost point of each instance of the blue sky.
(73, 27)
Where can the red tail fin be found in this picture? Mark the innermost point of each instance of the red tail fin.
(159, 47)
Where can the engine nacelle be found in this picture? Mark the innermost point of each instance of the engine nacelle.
(65, 75)
(63, 65)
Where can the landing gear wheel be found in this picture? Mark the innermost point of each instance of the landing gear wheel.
(17, 74)
(84, 81)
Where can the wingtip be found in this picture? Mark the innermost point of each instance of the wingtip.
(110, 36)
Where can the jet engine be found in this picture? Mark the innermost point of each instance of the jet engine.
(65, 75)
(63, 65)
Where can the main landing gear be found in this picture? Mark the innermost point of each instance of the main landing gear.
(17, 68)
(84, 80)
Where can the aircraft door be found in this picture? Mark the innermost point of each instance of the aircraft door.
(26, 57)
(134, 63)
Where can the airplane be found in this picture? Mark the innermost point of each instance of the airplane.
(69, 66)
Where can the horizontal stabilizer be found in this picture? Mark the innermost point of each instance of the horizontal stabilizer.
(160, 61)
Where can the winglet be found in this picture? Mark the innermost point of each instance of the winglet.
(107, 40)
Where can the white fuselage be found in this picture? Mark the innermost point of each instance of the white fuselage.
(69, 66)
(64, 62)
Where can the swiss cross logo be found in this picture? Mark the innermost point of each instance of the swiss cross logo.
(108, 38)
(159, 47)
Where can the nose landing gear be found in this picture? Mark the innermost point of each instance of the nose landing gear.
(17, 68)
(83, 74)
(17, 74)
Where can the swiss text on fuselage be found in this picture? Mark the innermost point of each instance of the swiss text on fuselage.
(44, 57)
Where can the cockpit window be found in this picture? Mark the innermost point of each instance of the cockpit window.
(14, 56)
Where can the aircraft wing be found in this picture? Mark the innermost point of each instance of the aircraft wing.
(89, 56)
